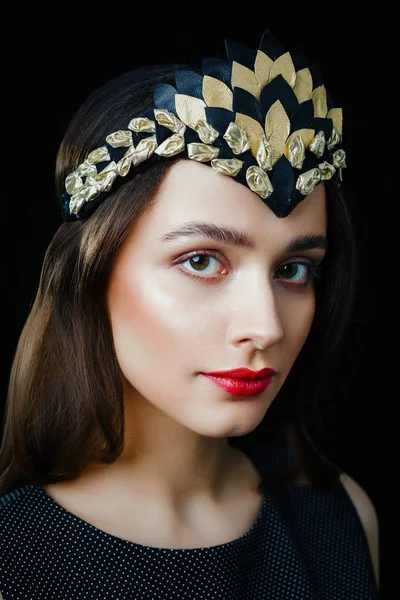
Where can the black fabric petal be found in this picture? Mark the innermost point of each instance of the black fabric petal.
(316, 75)
(283, 181)
(320, 124)
(219, 118)
(241, 54)
(220, 69)
(189, 83)
(164, 97)
(302, 116)
(270, 45)
(278, 89)
(299, 58)
(245, 103)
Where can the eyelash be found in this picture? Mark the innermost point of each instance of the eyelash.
(313, 268)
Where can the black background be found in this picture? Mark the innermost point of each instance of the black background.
(50, 64)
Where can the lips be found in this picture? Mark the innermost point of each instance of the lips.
(243, 373)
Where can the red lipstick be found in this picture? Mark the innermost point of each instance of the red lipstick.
(242, 382)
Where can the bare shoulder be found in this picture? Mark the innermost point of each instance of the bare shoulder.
(369, 519)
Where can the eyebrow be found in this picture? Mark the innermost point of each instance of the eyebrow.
(234, 237)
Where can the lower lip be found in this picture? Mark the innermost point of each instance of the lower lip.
(240, 387)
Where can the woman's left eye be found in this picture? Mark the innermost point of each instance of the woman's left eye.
(298, 273)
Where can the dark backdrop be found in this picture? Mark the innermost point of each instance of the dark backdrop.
(51, 64)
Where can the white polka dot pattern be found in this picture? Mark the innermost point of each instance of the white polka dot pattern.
(305, 544)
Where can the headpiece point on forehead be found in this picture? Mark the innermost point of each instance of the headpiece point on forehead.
(262, 116)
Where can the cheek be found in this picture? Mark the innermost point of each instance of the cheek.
(150, 325)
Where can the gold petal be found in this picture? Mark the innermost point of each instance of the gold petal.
(206, 132)
(216, 93)
(336, 114)
(253, 129)
(259, 182)
(306, 134)
(278, 148)
(168, 119)
(237, 138)
(303, 85)
(142, 125)
(144, 150)
(307, 181)
(333, 140)
(244, 78)
(262, 68)
(319, 100)
(265, 154)
(90, 191)
(86, 169)
(202, 152)
(296, 151)
(107, 177)
(190, 110)
(277, 122)
(171, 146)
(124, 165)
(73, 183)
(120, 139)
(327, 170)
(76, 203)
(227, 166)
(98, 155)
(339, 159)
(284, 66)
(318, 144)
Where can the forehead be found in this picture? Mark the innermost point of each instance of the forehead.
(193, 191)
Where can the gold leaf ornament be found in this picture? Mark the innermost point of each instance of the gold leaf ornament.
(73, 183)
(258, 181)
(333, 140)
(262, 68)
(227, 166)
(202, 152)
(169, 120)
(144, 150)
(216, 93)
(297, 151)
(171, 146)
(190, 110)
(206, 132)
(264, 154)
(303, 85)
(284, 66)
(142, 125)
(307, 181)
(327, 170)
(320, 102)
(99, 155)
(120, 139)
(245, 79)
(339, 159)
(237, 139)
(318, 144)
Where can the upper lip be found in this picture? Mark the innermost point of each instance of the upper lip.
(244, 373)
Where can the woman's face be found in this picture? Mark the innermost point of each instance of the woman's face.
(176, 313)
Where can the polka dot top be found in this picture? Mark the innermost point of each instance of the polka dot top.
(305, 544)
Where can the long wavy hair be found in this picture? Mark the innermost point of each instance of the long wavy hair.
(65, 405)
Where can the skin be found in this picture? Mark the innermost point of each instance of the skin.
(168, 327)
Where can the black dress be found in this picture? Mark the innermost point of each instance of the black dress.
(305, 544)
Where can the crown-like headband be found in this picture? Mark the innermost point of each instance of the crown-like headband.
(263, 117)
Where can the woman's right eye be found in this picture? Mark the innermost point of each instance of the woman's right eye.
(199, 262)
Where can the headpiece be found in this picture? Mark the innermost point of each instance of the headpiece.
(262, 116)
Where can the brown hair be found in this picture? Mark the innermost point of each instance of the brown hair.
(65, 403)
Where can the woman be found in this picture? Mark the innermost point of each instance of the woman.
(204, 232)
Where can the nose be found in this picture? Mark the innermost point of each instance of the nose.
(256, 316)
